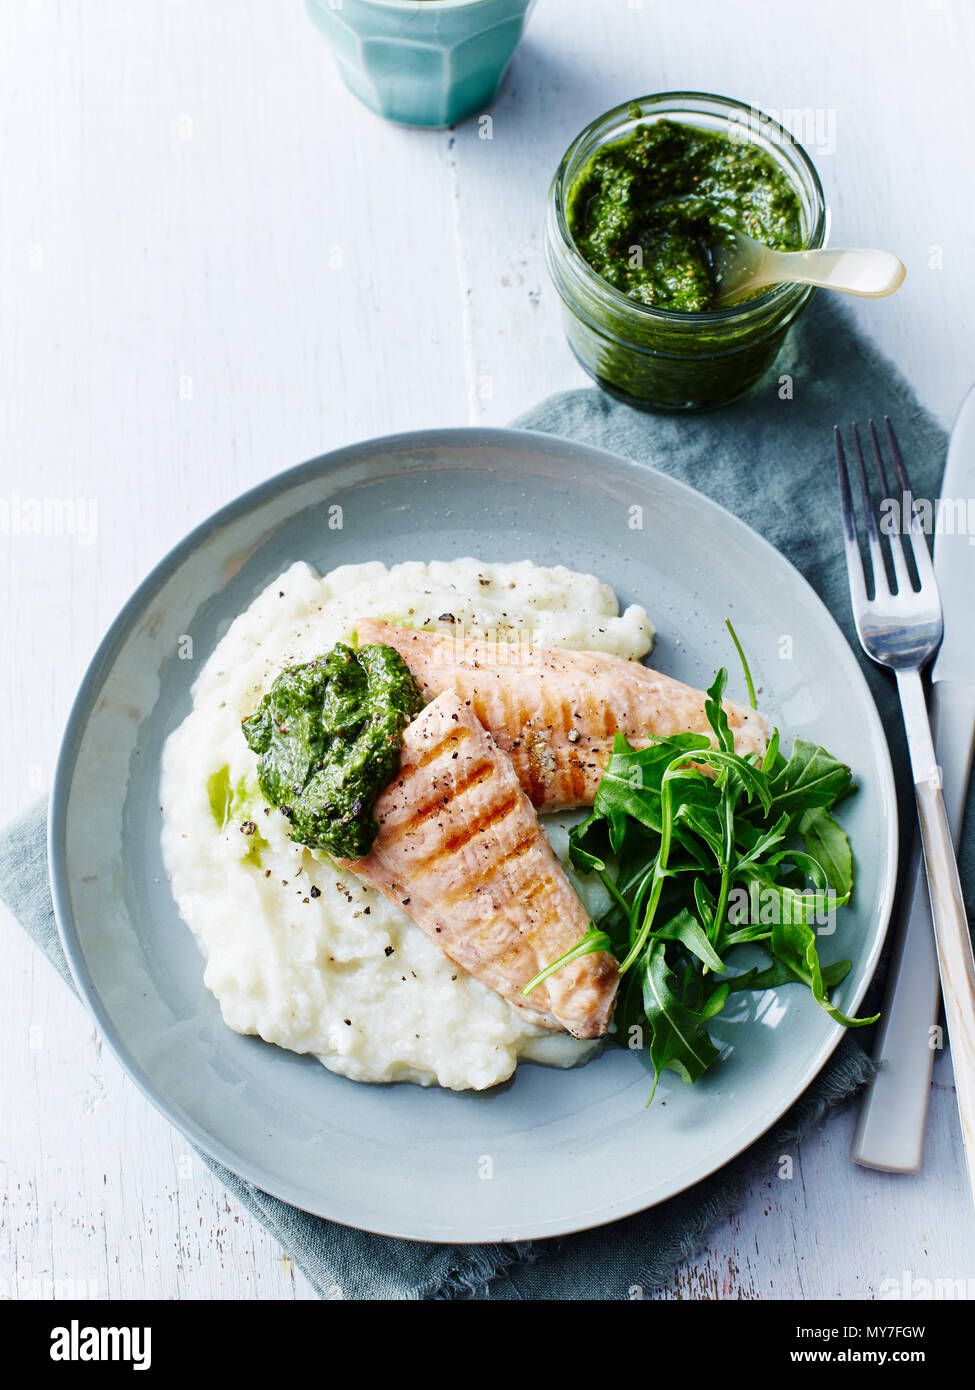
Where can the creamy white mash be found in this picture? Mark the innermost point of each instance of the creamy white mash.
(297, 951)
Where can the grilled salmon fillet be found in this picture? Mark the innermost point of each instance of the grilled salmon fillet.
(554, 711)
(460, 848)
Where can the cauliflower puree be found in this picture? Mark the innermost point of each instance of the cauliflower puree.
(297, 951)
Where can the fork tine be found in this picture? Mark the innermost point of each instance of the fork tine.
(899, 630)
(880, 585)
(854, 565)
(901, 572)
(919, 544)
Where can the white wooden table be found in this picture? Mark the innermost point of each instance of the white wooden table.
(213, 264)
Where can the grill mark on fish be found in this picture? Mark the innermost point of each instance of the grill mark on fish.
(447, 745)
(480, 879)
(455, 788)
(490, 818)
(574, 774)
(521, 721)
(466, 832)
(541, 765)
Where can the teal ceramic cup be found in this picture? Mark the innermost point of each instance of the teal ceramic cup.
(423, 62)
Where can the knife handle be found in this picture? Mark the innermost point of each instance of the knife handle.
(889, 1132)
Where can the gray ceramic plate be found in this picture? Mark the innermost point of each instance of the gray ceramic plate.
(568, 1149)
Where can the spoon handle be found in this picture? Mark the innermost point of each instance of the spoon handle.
(853, 270)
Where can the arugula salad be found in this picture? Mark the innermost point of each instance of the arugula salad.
(703, 851)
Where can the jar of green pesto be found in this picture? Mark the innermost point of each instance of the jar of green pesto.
(634, 210)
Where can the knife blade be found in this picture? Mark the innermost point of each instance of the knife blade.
(954, 552)
(889, 1132)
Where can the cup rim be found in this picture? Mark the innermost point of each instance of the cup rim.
(424, 4)
(768, 299)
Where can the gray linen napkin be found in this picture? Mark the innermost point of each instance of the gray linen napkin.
(768, 458)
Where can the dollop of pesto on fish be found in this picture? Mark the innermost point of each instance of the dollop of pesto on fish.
(328, 736)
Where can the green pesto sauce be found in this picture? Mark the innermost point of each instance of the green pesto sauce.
(227, 803)
(645, 210)
(236, 806)
(328, 737)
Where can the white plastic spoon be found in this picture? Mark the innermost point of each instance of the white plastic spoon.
(742, 264)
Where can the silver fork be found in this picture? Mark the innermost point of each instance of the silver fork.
(901, 628)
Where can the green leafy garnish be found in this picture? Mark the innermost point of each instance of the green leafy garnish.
(678, 1038)
(594, 940)
(703, 850)
(744, 664)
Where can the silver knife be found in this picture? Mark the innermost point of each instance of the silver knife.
(890, 1127)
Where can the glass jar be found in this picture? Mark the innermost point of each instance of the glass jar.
(662, 359)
